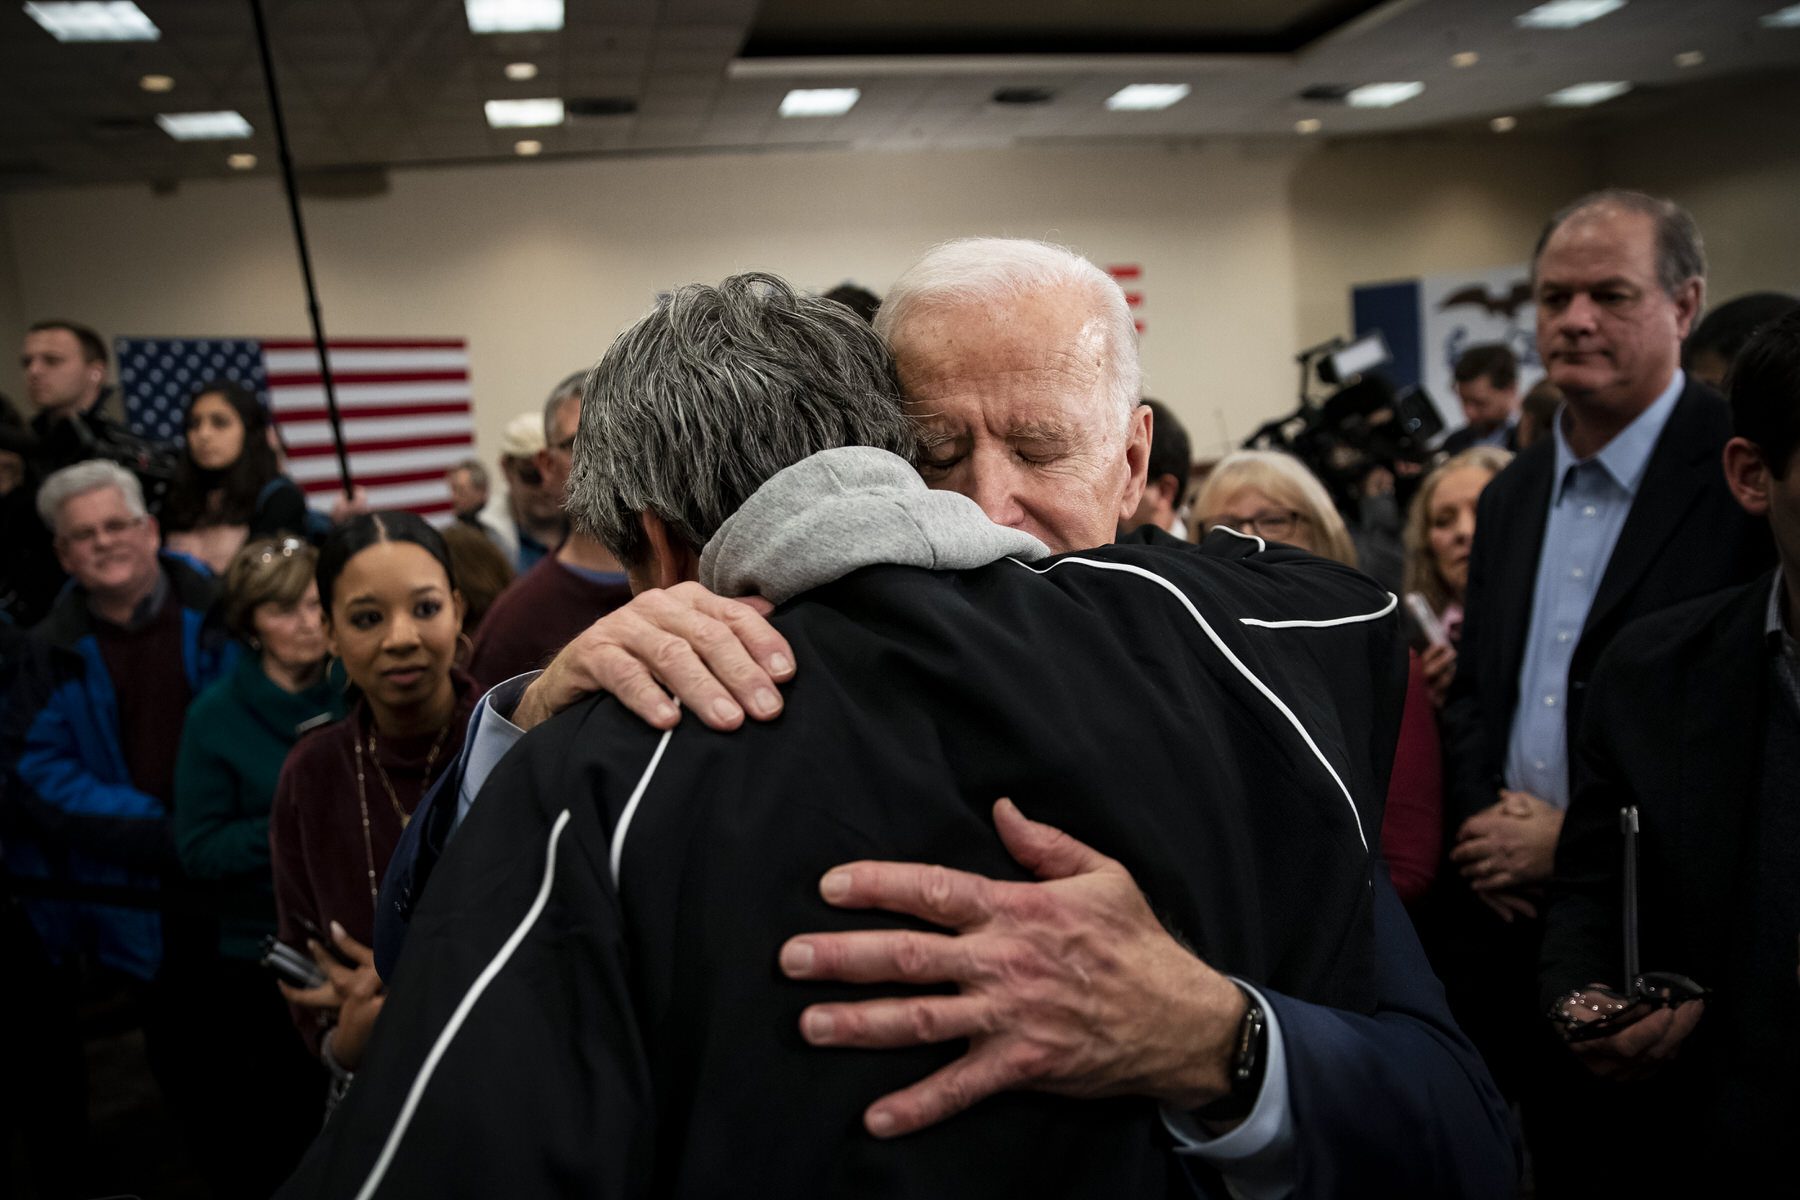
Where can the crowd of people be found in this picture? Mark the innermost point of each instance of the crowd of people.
(837, 675)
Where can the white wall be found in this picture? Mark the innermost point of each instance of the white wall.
(540, 264)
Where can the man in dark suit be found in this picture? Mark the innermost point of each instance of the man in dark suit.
(1694, 718)
(1621, 512)
(1487, 383)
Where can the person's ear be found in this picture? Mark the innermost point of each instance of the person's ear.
(541, 460)
(1137, 460)
(1689, 298)
(1747, 475)
(670, 559)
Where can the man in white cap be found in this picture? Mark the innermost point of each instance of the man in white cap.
(526, 520)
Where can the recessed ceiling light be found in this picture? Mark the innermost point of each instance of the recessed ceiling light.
(1146, 97)
(203, 126)
(157, 83)
(1782, 18)
(241, 162)
(1308, 125)
(1584, 94)
(1566, 14)
(528, 147)
(521, 71)
(524, 114)
(90, 22)
(1503, 124)
(1382, 95)
(513, 16)
(819, 102)
(1467, 58)
(1689, 58)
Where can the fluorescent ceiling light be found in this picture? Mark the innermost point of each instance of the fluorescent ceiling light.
(1382, 95)
(513, 16)
(157, 83)
(519, 72)
(1503, 124)
(524, 114)
(241, 162)
(1584, 94)
(1145, 97)
(1308, 125)
(819, 102)
(1782, 18)
(1566, 14)
(90, 22)
(203, 126)
(528, 147)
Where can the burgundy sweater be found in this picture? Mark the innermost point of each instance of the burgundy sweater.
(538, 615)
(316, 843)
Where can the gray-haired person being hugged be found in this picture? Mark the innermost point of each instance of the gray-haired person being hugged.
(586, 1003)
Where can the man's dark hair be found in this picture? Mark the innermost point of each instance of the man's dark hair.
(1491, 361)
(1765, 392)
(92, 348)
(859, 300)
(1170, 453)
(1727, 327)
(1680, 256)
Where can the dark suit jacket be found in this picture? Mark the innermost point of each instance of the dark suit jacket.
(1675, 724)
(1685, 537)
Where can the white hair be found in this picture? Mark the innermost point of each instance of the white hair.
(85, 477)
(997, 270)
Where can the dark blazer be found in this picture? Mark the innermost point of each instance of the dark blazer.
(1685, 537)
(1459, 440)
(1675, 724)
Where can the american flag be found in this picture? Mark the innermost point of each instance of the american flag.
(405, 406)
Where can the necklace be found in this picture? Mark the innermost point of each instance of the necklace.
(362, 798)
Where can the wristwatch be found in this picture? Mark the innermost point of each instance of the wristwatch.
(1249, 1059)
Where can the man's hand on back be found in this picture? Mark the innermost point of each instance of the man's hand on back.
(719, 657)
(1069, 986)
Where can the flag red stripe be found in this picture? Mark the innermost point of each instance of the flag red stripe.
(371, 447)
(359, 411)
(365, 344)
(1131, 271)
(1134, 298)
(428, 475)
(346, 377)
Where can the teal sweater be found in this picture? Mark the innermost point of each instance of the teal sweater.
(237, 735)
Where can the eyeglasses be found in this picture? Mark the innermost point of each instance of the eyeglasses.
(287, 548)
(1587, 1014)
(1277, 523)
(115, 527)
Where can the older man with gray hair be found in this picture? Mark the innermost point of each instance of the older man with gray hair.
(595, 943)
(89, 740)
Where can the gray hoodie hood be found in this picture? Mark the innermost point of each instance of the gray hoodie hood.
(847, 508)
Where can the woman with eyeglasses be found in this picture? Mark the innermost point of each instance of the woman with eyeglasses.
(392, 616)
(260, 1088)
(229, 487)
(1267, 494)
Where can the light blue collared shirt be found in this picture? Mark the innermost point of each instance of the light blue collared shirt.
(1589, 502)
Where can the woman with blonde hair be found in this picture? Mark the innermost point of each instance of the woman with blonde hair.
(1440, 529)
(1273, 496)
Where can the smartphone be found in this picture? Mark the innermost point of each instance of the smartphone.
(326, 940)
(1427, 621)
(289, 965)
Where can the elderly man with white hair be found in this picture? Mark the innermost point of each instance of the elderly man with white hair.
(89, 740)
(1020, 373)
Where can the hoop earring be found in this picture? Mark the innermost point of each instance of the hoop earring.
(465, 648)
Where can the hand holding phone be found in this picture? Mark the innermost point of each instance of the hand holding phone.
(1426, 619)
(289, 965)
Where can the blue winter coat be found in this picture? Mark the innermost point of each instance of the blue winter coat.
(72, 815)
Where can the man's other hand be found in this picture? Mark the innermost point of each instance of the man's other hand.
(1641, 1048)
(719, 657)
(1069, 986)
(1508, 844)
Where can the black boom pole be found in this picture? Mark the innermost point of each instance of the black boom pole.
(293, 199)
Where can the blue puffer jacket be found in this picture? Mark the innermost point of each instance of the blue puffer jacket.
(72, 814)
